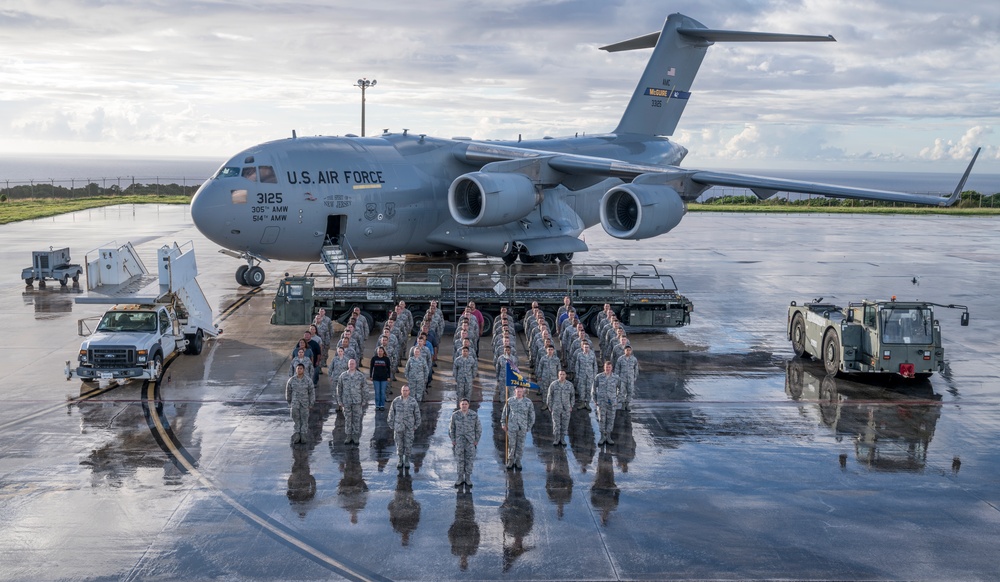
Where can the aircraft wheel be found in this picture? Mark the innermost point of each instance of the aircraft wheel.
(28, 281)
(487, 325)
(564, 257)
(510, 258)
(831, 353)
(799, 336)
(546, 259)
(241, 275)
(255, 276)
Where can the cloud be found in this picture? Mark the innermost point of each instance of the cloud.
(211, 77)
(962, 148)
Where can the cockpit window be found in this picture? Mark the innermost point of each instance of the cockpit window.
(267, 175)
(228, 172)
(250, 173)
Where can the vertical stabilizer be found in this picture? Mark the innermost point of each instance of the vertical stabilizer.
(663, 91)
(665, 87)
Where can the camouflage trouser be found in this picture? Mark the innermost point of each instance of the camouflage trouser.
(560, 423)
(404, 441)
(465, 454)
(515, 445)
(352, 420)
(300, 417)
(417, 389)
(606, 420)
(628, 389)
(581, 385)
(463, 389)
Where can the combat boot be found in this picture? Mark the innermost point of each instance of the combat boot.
(459, 481)
(399, 463)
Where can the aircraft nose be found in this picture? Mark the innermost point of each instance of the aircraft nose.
(208, 211)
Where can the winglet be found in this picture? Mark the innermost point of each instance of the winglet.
(957, 194)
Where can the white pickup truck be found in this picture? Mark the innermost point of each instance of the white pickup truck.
(134, 338)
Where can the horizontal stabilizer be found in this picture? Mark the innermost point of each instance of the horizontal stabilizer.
(649, 40)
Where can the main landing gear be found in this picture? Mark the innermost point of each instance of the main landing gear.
(518, 251)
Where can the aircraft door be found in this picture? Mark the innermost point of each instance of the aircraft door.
(336, 227)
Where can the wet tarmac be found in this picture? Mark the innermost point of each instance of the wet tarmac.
(739, 461)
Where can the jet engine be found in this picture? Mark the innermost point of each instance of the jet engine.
(637, 211)
(491, 198)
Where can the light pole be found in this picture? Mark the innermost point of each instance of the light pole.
(364, 84)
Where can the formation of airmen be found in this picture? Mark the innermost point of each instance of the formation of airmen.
(574, 376)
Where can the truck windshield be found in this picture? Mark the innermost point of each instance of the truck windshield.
(907, 325)
(128, 321)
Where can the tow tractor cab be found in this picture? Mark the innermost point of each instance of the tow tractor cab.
(877, 337)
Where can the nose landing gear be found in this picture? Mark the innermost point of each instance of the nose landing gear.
(250, 275)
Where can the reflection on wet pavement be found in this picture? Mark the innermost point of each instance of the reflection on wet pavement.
(739, 460)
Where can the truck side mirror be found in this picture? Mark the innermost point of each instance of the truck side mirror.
(965, 318)
(850, 315)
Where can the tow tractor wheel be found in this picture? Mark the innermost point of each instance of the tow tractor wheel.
(76, 278)
(831, 353)
(241, 275)
(799, 336)
(255, 276)
(63, 281)
(29, 280)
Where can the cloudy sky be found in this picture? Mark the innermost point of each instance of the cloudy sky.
(910, 84)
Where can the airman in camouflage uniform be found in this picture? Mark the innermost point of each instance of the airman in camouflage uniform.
(605, 396)
(352, 394)
(338, 365)
(300, 393)
(404, 418)
(464, 370)
(501, 362)
(416, 373)
(301, 357)
(627, 368)
(465, 430)
(583, 376)
(325, 327)
(560, 400)
(546, 371)
(517, 418)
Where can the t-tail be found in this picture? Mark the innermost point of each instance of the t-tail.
(665, 86)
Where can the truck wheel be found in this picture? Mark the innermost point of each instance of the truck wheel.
(799, 336)
(157, 366)
(196, 342)
(831, 353)
(255, 276)
(241, 275)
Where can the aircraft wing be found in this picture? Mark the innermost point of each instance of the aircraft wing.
(763, 187)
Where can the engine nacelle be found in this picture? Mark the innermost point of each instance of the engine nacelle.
(637, 211)
(491, 198)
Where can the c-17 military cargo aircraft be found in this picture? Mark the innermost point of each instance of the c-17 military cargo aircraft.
(299, 198)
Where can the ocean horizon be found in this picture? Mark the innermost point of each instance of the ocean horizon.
(76, 171)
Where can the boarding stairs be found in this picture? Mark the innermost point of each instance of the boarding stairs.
(335, 260)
